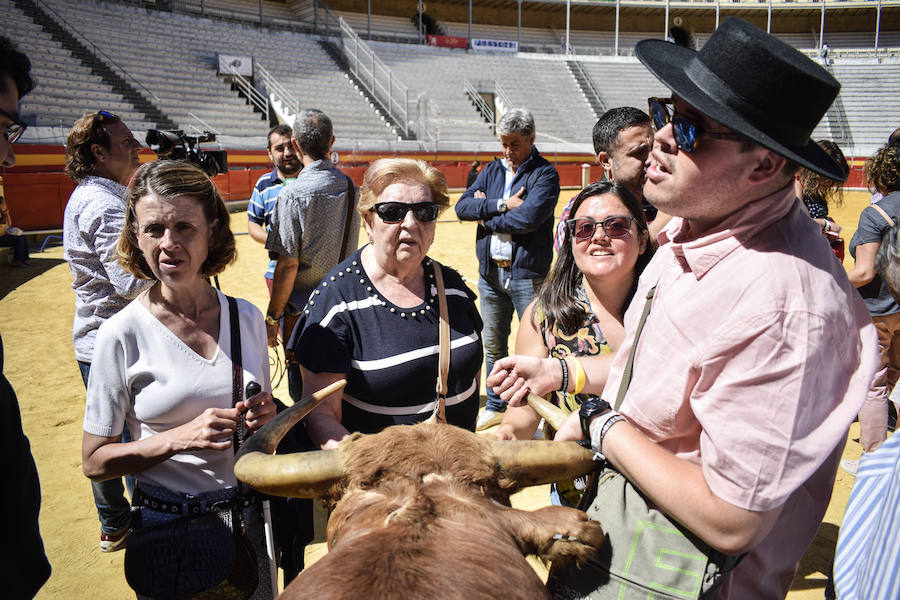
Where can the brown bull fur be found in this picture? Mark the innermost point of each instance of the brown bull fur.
(425, 514)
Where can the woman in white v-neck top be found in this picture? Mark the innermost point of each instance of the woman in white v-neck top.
(163, 365)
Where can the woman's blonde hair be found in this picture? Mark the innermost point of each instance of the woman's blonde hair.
(385, 171)
(170, 179)
(883, 169)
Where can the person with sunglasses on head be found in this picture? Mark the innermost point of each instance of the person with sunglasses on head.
(374, 319)
(25, 564)
(101, 157)
(580, 307)
(512, 200)
(747, 352)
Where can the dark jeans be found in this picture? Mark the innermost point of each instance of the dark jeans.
(19, 245)
(109, 496)
(500, 295)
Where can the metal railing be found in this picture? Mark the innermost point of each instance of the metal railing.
(253, 95)
(480, 105)
(579, 71)
(378, 79)
(274, 88)
(198, 130)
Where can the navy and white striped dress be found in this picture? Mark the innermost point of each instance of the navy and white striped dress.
(390, 354)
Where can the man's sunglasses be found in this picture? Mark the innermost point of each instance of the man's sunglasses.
(18, 127)
(583, 228)
(394, 212)
(686, 131)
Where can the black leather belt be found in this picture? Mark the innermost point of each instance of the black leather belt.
(505, 264)
(185, 507)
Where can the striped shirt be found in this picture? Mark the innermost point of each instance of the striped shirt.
(93, 220)
(867, 559)
(389, 353)
(262, 203)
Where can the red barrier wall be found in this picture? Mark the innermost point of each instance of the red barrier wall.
(37, 200)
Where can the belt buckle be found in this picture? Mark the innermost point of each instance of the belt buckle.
(504, 264)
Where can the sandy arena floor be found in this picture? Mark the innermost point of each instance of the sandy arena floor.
(36, 310)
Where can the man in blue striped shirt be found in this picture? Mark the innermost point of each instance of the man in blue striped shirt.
(265, 192)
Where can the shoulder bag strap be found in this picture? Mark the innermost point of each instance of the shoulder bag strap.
(629, 366)
(882, 212)
(237, 369)
(444, 340)
(351, 205)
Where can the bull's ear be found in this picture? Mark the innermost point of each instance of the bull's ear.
(298, 475)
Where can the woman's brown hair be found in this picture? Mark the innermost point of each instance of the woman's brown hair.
(170, 179)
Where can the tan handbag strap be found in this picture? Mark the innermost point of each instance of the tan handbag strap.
(882, 212)
(444, 341)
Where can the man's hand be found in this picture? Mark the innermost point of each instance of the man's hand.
(516, 200)
(480, 194)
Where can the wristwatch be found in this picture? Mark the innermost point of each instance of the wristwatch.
(501, 205)
(589, 408)
(270, 320)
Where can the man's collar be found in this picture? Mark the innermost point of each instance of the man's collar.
(701, 254)
(102, 181)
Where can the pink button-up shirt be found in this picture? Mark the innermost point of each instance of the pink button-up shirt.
(753, 362)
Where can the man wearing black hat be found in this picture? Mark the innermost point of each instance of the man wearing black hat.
(735, 392)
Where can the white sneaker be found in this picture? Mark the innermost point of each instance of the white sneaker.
(488, 418)
(851, 466)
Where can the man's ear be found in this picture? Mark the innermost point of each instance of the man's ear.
(296, 146)
(605, 161)
(99, 152)
(768, 166)
(331, 143)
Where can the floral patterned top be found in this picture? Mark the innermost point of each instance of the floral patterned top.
(588, 340)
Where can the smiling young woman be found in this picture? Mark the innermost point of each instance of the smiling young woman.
(580, 307)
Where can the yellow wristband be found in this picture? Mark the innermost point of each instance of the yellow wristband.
(580, 377)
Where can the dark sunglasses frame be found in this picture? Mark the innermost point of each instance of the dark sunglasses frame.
(571, 223)
(18, 127)
(425, 212)
(686, 132)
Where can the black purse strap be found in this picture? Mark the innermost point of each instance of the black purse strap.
(351, 203)
(629, 365)
(237, 368)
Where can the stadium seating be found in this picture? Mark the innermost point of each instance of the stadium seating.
(171, 57)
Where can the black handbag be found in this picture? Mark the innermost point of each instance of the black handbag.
(200, 557)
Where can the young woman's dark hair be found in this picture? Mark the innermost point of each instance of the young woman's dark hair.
(559, 297)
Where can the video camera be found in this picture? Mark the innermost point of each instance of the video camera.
(174, 145)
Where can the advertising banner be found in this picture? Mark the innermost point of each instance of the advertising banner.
(495, 45)
(447, 41)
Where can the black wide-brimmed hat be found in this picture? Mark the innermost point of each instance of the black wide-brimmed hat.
(753, 83)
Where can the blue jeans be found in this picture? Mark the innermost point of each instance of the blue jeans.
(500, 294)
(109, 496)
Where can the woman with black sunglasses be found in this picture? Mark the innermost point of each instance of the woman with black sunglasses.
(580, 307)
(374, 319)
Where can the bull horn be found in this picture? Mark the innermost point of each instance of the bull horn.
(552, 414)
(535, 462)
(298, 475)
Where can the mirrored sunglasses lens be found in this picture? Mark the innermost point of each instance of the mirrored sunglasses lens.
(391, 212)
(616, 227)
(658, 114)
(685, 134)
(425, 212)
